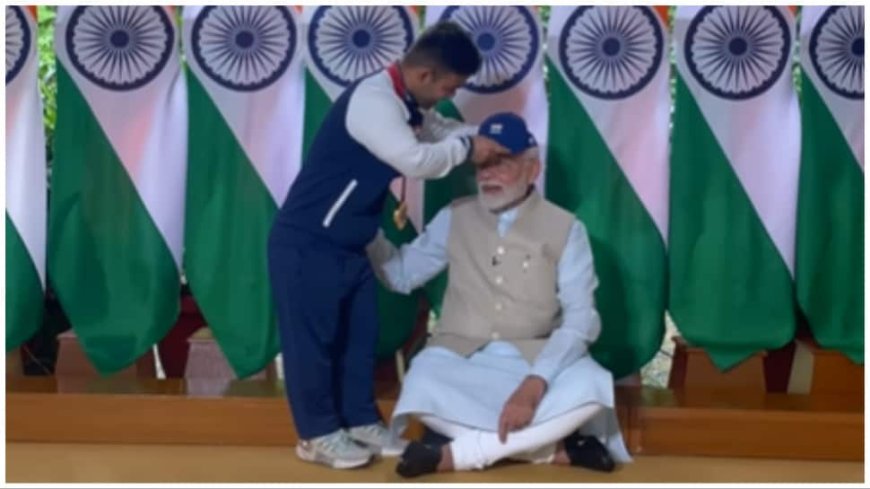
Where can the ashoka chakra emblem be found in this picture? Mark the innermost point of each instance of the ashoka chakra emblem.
(837, 50)
(119, 47)
(737, 52)
(349, 42)
(611, 52)
(508, 41)
(246, 47)
(18, 39)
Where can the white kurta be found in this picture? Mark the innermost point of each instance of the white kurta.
(472, 391)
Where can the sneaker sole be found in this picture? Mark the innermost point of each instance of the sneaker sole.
(392, 452)
(388, 452)
(335, 464)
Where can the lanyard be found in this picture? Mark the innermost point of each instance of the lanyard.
(400, 215)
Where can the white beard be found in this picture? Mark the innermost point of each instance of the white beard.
(498, 202)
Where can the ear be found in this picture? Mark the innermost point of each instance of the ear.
(534, 170)
(426, 75)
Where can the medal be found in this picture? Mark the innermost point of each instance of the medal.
(400, 216)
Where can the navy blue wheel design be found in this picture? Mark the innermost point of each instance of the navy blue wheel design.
(18, 39)
(837, 50)
(508, 41)
(348, 43)
(611, 52)
(244, 48)
(120, 47)
(737, 52)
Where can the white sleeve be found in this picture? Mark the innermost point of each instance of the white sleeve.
(580, 322)
(414, 264)
(436, 127)
(377, 119)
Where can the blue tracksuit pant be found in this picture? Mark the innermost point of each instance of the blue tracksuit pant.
(326, 301)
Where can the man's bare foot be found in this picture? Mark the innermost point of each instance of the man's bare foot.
(561, 456)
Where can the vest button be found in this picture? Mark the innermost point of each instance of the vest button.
(500, 250)
(496, 336)
(499, 280)
(498, 306)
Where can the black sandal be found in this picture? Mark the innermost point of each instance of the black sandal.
(418, 459)
(588, 452)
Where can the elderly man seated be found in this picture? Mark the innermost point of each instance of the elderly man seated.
(506, 373)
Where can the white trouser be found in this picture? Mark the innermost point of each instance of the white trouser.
(475, 449)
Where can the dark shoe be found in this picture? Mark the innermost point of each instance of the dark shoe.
(433, 438)
(587, 451)
(418, 459)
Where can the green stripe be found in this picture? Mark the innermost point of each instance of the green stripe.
(830, 232)
(317, 105)
(730, 291)
(24, 294)
(398, 313)
(584, 177)
(107, 262)
(229, 215)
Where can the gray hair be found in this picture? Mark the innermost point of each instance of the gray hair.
(532, 154)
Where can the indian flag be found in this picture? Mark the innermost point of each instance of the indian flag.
(344, 44)
(608, 163)
(511, 79)
(118, 178)
(830, 229)
(245, 93)
(734, 177)
(25, 180)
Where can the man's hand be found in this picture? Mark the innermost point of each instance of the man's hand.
(484, 149)
(520, 408)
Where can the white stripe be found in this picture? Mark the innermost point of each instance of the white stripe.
(25, 157)
(338, 203)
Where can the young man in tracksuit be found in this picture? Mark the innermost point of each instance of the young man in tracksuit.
(380, 128)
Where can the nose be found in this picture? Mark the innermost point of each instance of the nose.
(486, 171)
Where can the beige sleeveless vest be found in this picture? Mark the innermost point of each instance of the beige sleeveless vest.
(502, 288)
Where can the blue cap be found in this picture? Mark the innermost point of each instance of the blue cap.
(509, 130)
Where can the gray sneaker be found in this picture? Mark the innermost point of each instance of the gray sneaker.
(378, 439)
(336, 450)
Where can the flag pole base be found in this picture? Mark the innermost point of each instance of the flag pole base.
(72, 361)
(692, 369)
(819, 372)
(14, 365)
(209, 373)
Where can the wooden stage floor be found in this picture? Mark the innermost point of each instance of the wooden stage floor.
(83, 463)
